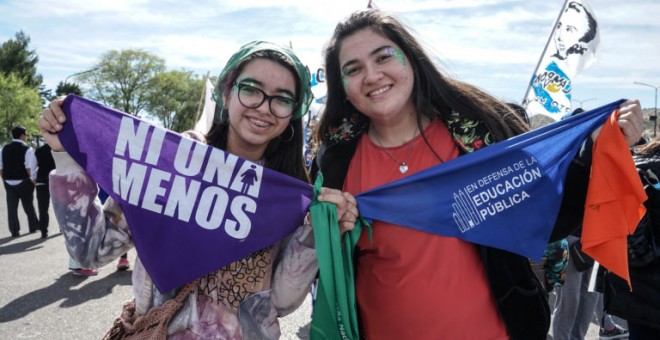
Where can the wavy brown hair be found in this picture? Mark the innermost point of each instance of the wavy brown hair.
(434, 94)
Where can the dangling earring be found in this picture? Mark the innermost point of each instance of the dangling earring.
(293, 132)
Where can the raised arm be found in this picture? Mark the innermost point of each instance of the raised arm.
(94, 235)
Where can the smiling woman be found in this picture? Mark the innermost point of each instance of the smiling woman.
(391, 113)
(244, 298)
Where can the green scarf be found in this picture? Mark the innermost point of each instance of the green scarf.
(335, 309)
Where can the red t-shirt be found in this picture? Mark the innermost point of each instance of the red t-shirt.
(411, 284)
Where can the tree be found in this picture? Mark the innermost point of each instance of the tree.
(174, 98)
(17, 58)
(67, 88)
(122, 79)
(21, 105)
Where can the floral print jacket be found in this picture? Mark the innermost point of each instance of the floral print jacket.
(240, 301)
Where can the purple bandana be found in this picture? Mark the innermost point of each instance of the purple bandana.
(191, 208)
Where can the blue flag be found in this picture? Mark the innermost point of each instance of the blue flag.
(505, 196)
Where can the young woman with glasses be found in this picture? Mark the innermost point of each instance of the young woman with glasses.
(261, 96)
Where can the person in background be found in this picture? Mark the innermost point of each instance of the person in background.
(45, 164)
(575, 306)
(18, 169)
(391, 113)
(641, 306)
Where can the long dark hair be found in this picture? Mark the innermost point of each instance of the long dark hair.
(434, 94)
(283, 154)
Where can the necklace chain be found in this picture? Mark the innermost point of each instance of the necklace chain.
(403, 165)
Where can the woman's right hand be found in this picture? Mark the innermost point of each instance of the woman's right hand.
(50, 123)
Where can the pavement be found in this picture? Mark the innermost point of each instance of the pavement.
(41, 299)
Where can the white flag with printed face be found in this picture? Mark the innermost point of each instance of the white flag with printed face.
(572, 47)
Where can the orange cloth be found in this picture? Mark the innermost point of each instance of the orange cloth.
(614, 204)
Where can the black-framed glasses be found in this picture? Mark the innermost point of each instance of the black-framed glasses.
(252, 97)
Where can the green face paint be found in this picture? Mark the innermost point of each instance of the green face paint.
(344, 81)
(398, 55)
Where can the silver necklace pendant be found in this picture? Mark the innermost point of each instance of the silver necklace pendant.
(403, 167)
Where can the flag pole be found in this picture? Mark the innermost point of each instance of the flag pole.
(529, 85)
(201, 98)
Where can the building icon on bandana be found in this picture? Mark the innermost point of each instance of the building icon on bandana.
(465, 212)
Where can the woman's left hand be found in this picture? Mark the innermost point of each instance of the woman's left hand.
(630, 122)
(347, 211)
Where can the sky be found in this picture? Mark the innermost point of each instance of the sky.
(493, 44)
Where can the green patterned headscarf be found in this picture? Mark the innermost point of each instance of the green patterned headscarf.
(304, 77)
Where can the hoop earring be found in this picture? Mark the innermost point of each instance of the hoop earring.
(293, 132)
(221, 115)
(224, 116)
